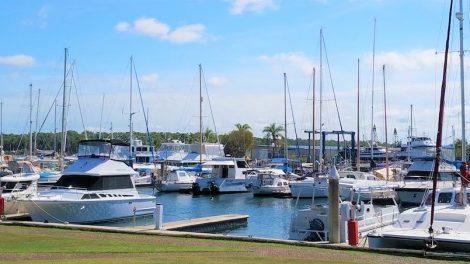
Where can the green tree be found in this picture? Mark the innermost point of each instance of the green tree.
(240, 126)
(273, 131)
(238, 143)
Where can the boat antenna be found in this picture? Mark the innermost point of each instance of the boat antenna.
(101, 116)
(437, 160)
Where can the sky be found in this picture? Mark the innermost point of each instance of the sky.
(244, 47)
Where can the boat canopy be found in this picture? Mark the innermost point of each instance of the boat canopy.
(219, 163)
(112, 149)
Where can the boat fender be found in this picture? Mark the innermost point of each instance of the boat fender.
(213, 187)
(196, 188)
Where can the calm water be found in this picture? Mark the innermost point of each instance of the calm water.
(269, 217)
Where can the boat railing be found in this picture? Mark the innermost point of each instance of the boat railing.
(68, 188)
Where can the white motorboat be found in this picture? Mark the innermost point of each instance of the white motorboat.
(411, 230)
(17, 186)
(418, 180)
(98, 187)
(227, 176)
(49, 171)
(176, 181)
(350, 182)
(271, 183)
(311, 224)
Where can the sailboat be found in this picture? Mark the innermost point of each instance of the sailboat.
(443, 221)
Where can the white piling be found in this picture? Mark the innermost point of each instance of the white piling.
(158, 216)
(333, 206)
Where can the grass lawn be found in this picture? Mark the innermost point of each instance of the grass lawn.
(49, 245)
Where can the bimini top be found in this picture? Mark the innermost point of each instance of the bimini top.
(113, 149)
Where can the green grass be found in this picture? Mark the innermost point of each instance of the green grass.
(49, 245)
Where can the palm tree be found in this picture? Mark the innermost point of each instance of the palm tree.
(209, 135)
(274, 132)
(241, 127)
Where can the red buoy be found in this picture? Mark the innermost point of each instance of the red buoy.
(353, 232)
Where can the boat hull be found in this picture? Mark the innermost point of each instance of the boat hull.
(89, 211)
(174, 186)
(219, 186)
(282, 191)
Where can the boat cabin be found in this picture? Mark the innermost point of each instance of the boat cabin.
(233, 168)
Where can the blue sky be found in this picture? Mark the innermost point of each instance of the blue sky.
(244, 47)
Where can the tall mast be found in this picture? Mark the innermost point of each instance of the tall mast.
(200, 114)
(285, 117)
(411, 133)
(30, 121)
(437, 160)
(130, 111)
(111, 129)
(313, 120)
(63, 142)
(385, 121)
(37, 119)
(459, 16)
(372, 139)
(101, 116)
(358, 153)
(321, 101)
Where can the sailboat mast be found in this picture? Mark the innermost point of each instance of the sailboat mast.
(321, 101)
(130, 110)
(385, 121)
(372, 139)
(55, 126)
(200, 114)
(410, 133)
(285, 117)
(437, 160)
(459, 16)
(313, 121)
(64, 105)
(358, 153)
(30, 121)
(37, 119)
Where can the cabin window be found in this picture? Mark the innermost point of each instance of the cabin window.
(241, 164)
(447, 176)
(94, 182)
(444, 198)
(90, 196)
(350, 176)
(17, 186)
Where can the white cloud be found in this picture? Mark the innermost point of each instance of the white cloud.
(217, 81)
(189, 33)
(43, 13)
(18, 60)
(150, 79)
(238, 7)
(153, 28)
(122, 27)
(295, 60)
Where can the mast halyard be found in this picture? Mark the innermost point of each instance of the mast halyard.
(37, 119)
(385, 121)
(130, 112)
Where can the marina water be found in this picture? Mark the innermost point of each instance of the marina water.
(269, 217)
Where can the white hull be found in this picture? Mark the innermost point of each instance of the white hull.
(88, 211)
(219, 185)
(271, 190)
(174, 186)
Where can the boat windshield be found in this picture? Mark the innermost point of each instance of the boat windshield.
(443, 198)
(94, 183)
(94, 149)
